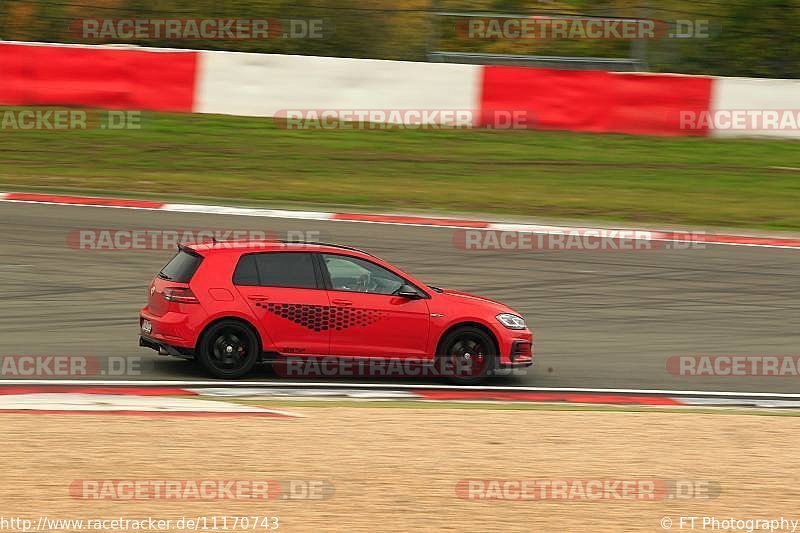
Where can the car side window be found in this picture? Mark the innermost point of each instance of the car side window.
(356, 275)
(246, 272)
(277, 269)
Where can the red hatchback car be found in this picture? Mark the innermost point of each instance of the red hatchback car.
(231, 305)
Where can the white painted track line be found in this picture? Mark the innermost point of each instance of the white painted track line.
(432, 221)
(396, 386)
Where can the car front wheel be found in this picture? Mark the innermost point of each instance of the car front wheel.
(467, 356)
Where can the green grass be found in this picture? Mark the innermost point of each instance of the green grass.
(683, 181)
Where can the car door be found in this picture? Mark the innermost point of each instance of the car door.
(367, 318)
(285, 291)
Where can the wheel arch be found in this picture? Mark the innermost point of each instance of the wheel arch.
(233, 318)
(467, 323)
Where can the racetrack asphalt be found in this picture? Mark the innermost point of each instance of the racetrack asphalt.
(602, 319)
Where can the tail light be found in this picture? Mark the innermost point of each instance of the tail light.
(181, 295)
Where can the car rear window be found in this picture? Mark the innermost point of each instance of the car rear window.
(284, 269)
(182, 267)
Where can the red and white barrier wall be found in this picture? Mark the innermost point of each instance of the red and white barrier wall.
(263, 85)
(596, 101)
(754, 94)
(95, 76)
(266, 85)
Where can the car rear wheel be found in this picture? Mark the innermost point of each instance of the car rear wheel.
(228, 350)
(467, 356)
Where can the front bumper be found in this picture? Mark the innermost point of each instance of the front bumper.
(516, 350)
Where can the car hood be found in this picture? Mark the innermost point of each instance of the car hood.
(467, 298)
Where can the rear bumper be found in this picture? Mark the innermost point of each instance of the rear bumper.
(170, 329)
(164, 349)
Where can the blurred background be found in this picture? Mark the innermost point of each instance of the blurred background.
(745, 37)
(601, 148)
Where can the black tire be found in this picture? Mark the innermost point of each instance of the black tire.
(228, 349)
(467, 356)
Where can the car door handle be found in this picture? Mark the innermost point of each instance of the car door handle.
(341, 302)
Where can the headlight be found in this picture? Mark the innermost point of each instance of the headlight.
(511, 321)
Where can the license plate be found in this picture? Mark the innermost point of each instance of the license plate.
(147, 327)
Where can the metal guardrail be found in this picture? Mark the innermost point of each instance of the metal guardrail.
(567, 62)
(635, 62)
